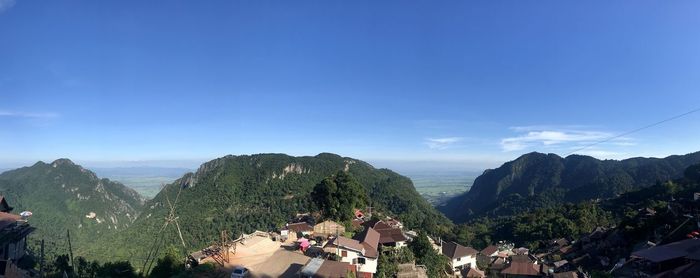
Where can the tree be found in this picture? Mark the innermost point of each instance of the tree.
(117, 269)
(426, 255)
(693, 173)
(336, 196)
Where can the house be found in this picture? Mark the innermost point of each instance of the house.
(14, 230)
(359, 214)
(328, 228)
(389, 236)
(559, 264)
(521, 266)
(361, 252)
(356, 224)
(490, 251)
(394, 223)
(497, 265)
(691, 269)
(472, 272)
(4, 207)
(320, 268)
(301, 227)
(411, 270)
(460, 256)
(669, 256)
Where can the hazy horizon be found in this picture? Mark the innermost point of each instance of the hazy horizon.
(465, 85)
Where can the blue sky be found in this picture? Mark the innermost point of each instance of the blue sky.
(466, 84)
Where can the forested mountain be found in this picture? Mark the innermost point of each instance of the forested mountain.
(261, 192)
(63, 196)
(537, 180)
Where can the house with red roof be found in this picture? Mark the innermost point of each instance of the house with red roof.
(388, 235)
(361, 251)
(522, 266)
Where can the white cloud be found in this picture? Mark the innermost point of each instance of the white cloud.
(6, 5)
(16, 114)
(558, 137)
(442, 143)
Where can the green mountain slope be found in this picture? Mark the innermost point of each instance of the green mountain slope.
(61, 195)
(261, 192)
(536, 179)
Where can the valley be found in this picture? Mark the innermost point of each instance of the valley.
(439, 186)
(146, 180)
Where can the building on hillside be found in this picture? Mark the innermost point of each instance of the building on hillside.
(691, 269)
(472, 272)
(320, 268)
(668, 256)
(460, 256)
(411, 270)
(394, 223)
(4, 207)
(328, 228)
(356, 224)
(13, 240)
(522, 266)
(359, 214)
(389, 236)
(300, 227)
(361, 252)
(490, 251)
(497, 265)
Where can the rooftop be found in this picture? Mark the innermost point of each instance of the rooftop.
(455, 250)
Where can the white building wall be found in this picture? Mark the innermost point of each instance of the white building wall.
(369, 266)
(456, 263)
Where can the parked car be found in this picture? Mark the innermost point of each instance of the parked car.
(239, 272)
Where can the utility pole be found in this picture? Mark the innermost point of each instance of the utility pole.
(41, 261)
(70, 249)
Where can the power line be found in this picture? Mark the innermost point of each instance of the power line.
(634, 130)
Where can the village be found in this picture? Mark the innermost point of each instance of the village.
(328, 249)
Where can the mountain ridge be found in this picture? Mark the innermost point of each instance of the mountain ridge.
(65, 196)
(571, 179)
(244, 193)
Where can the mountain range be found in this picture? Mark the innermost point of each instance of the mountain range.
(234, 193)
(64, 196)
(244, 193)
(536, 178)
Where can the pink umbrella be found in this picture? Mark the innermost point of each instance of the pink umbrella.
(304, 243)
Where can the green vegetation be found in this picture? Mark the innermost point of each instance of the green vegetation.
(544, 220)
(550, 179)
(242, 194)
(534, 228)
(440, 186)
(338, 195)
(436, 263)
(389, 261)
(60, 195)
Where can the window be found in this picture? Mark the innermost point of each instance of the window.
(459, 259)
(361, 261)
(343, 253)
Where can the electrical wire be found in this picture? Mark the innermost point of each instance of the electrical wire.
(634, 131)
